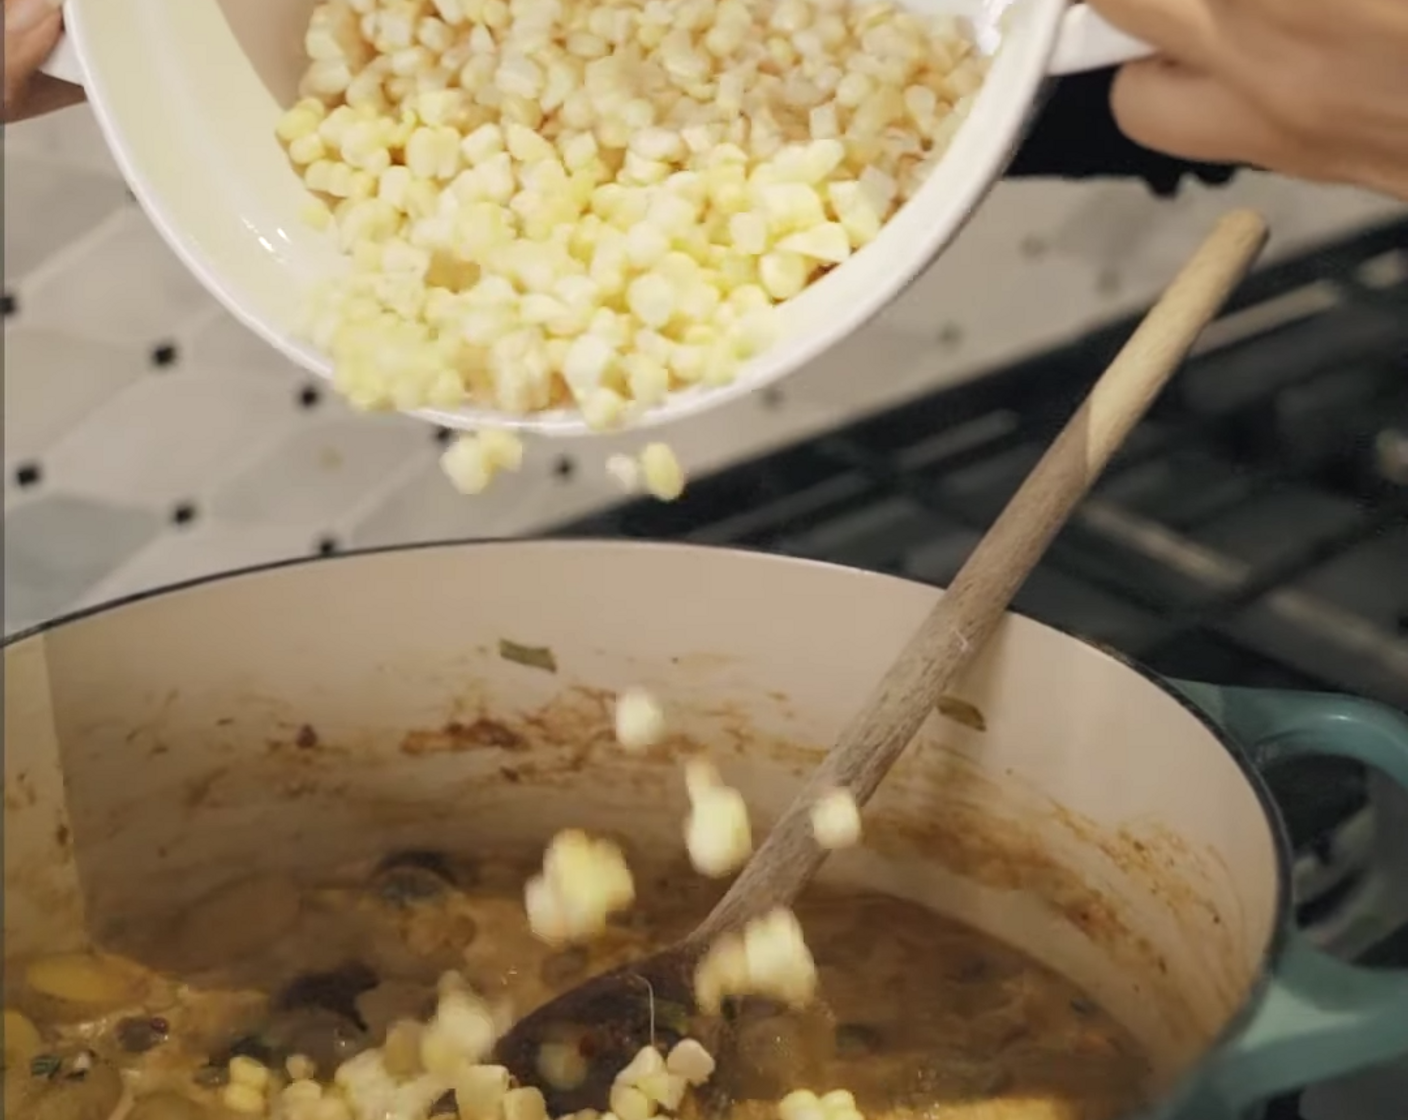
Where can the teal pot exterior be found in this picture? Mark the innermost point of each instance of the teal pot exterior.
(1315, 1017)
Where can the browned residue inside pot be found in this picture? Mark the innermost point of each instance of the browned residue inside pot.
(455, 736)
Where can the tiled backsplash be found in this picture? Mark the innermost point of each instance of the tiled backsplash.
(150, 438)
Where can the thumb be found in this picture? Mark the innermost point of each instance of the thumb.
(32, 27)
(1181, 112)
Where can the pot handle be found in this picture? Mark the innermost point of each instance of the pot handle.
(1321, 1017)
(1086, 42)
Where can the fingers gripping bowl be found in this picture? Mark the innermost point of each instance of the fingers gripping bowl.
(1083, 813)
(634, 302)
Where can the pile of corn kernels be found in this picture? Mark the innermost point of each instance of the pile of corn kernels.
(594, 203)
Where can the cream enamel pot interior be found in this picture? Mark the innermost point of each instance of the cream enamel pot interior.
(188, 93)
(1107, 822)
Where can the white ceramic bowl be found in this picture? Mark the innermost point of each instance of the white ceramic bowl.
(188, 92)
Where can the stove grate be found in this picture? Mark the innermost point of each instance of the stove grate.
(1254, 530)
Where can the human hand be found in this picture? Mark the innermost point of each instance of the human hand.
(1310, 88)
(32, 27)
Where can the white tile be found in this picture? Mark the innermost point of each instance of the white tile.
(566, 479)
(1121, 228)
(1299, 214)
(72, 200)
(171, 436)
(718, 438)
(567, 482)
(53, 379)
(323, 470)
(874, 368)
(1112, 223)
(126, 287)
(428, 508)
(222, 342)
(201, 550)
(562, 480)
(998, 283)
(58, 546)
(70, 137)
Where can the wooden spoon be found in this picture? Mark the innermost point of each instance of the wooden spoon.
(613, 1015)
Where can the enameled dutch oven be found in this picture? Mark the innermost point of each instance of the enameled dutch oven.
(1110, 823)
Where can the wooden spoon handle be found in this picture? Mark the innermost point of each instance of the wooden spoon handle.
(970, 610)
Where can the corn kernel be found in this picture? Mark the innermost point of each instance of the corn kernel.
(717, 834)
(462, 1032)
(244, 1099)
(800, 1104)
(480, 1090)
(629, 1103)
(525, 1103)
(640, 721)
(647, 1062)
(246, 1071)
(827, 241)
(664, 1090)
(690, 1060)
(836, 820)
(770, 958)
(661, 472)
(783, 274)
(296, 1096)
(300, 1067)
(582, 883)
(472, 461)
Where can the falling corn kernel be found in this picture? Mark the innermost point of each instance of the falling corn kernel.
(836, 820)
(661, 472)
(584, 880)
(473, 460)
(717, 834)
(803, 1104)
(247, 1071)
(769, 958)
(640, 721)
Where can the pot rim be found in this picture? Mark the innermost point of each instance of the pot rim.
(1171, 1101)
